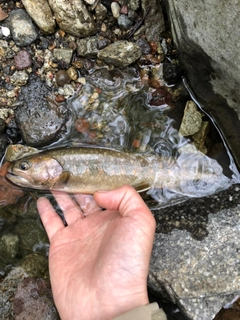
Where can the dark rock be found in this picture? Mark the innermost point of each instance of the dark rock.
(144, 46)
(62, 78)
(2, 125)
(40, 119)
(22, 60)
(171, 72)
(3, 144)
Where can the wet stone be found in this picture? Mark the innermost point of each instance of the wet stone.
(144, 46)
(22, 60)
(171, 72)
(124, 22)
(39, 119)
(22, 28)
(33, 300)
(62, 78)
(63, 54)
(192, 120)
(88, 47)
(120, 53)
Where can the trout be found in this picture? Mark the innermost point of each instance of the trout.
(86, 170)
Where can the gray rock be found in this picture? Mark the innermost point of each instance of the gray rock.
(120, 53)
(124, 22)
(22, 28)
(88, 47)
(41, 13)
(197, 268)
(198, 29)
(154, 21)
(73, 17)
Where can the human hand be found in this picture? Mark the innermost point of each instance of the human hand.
(99, 263)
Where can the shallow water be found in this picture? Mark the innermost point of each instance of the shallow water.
(117, 113)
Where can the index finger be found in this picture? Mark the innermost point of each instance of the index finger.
(50, 219)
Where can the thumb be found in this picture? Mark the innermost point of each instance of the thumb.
(127, 201)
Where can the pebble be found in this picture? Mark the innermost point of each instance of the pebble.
(115, 7)
(22, 60)
(100, 12)
(192, 120)
(62, 78)
(19, 78)
(124, 22)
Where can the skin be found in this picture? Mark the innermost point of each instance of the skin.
(99, 263)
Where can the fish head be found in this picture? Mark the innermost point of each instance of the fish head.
(36, 172)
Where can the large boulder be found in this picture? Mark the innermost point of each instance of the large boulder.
(206, 34)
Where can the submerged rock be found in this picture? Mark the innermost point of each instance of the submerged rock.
(40, 119)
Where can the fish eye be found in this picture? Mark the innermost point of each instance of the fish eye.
(24, 165)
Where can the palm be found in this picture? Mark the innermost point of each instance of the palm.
(99, 263)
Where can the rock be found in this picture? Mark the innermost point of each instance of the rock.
(33, 265)
(115, 7)
(18, 151)
(41, 13)
(134, 4)
(33, 300)
(22, 60)
(195, 254)
(88, 47)
(30, 233)
(100, 12)
(9, 246)
(144, 46)
(22, 28)
(192, 120)
(171, 72)
(3, 15)
(62, 78)
(154, 21)
(73, 17)
(19, 78)
(63, 54)
(199, 28)
(39, 119)
(120, 53)
(124, 22)
(3, 143)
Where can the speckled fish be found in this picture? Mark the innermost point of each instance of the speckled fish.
(83, 170)
(86, 170)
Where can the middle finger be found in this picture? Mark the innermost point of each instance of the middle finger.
(71, 210)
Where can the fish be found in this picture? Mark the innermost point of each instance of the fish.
(90, 169)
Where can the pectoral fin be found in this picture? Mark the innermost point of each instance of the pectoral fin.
(61, 181)
(142, 187)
